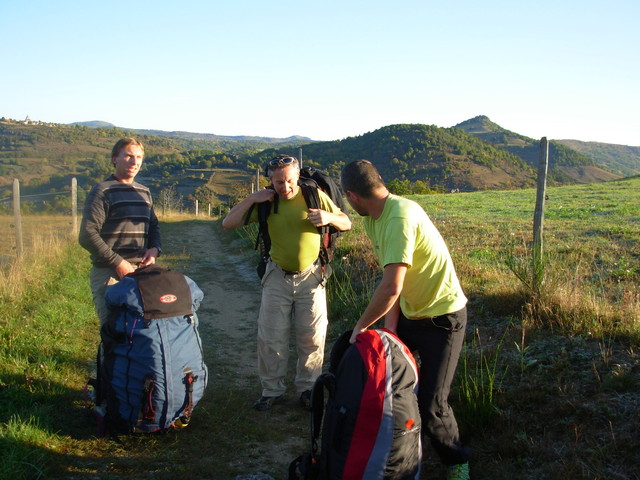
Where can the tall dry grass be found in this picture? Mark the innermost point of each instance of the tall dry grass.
(22, 273)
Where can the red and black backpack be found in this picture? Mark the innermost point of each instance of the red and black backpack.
(369, 427)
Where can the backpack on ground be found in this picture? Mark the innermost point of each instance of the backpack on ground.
(310, 181)
(369, 427)
(151, 372)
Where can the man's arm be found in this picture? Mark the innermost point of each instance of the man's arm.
(154, 244)
(384, 298)
(93, 219)
(392, 317)
(235, 217)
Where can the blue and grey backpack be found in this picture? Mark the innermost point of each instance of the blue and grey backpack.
(151, 372)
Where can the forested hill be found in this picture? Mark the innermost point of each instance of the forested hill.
(566, 164)
(450, 158)
(620, 159)
(37, 153)
(476, 154)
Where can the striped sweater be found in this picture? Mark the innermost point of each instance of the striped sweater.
(118, 222)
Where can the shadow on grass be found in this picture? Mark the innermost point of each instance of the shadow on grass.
(53, 435)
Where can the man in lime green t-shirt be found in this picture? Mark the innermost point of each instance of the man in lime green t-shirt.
(293, 285)
(420, 297)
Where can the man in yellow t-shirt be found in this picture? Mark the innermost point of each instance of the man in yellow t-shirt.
(293, 285)
(420, 297)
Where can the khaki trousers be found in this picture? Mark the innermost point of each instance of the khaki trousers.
(100, 278)
(291, 299)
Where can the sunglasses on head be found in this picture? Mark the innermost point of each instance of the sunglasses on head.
(281, 161)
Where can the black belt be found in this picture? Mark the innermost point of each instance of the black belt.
(292, 272)
(298, 272)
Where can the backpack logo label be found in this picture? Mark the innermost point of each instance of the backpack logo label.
(168, 298)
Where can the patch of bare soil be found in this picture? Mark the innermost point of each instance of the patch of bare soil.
(225, 272)
(231, 301)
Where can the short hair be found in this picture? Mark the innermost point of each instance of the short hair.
(281, 161)
(125, 142)
(361, 178)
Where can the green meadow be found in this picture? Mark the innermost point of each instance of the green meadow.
(548, 385)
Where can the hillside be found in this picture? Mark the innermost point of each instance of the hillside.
(45, 156)
(446, 157)
(566, 165)
(474, 155)
(621, 159)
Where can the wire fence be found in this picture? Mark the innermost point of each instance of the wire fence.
(23, 232)
(19, 231)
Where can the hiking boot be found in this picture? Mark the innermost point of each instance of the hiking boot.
(265, 403)
(305, 400)
(458, 472)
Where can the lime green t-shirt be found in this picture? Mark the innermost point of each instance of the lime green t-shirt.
(295, 242)
(405, 234)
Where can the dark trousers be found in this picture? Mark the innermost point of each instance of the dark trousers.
(438, 341)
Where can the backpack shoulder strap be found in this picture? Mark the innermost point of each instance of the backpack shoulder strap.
(247, 215)
(263, 240)
(326, 380)
(312, 199)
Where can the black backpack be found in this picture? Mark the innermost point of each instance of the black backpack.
(370, 425)
(310, 181)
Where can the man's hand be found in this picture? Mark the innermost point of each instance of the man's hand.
(149, 257)
(235, 217)
(124, 268)
(356, 332)
(264, 195)
(319, 217)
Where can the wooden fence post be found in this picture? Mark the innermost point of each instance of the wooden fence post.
(538, 218)
(74, 205)
(196, 207)
(17, 220)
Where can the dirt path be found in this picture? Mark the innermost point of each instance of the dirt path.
(216, 260)
(231, 301)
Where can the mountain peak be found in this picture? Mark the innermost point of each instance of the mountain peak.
(479, 124)
(95, 124)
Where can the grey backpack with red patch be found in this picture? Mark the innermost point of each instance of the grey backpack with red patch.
(369, 427)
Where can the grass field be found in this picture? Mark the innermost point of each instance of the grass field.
(36, 231)
(548, 386)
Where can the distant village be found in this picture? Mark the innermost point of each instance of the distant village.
(26, 121)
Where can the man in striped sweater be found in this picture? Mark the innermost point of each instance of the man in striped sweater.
(119, 227)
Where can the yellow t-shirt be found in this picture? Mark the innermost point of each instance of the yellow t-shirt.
(405, 234)
(295, 242)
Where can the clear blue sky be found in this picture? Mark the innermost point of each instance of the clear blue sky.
(326, 69)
